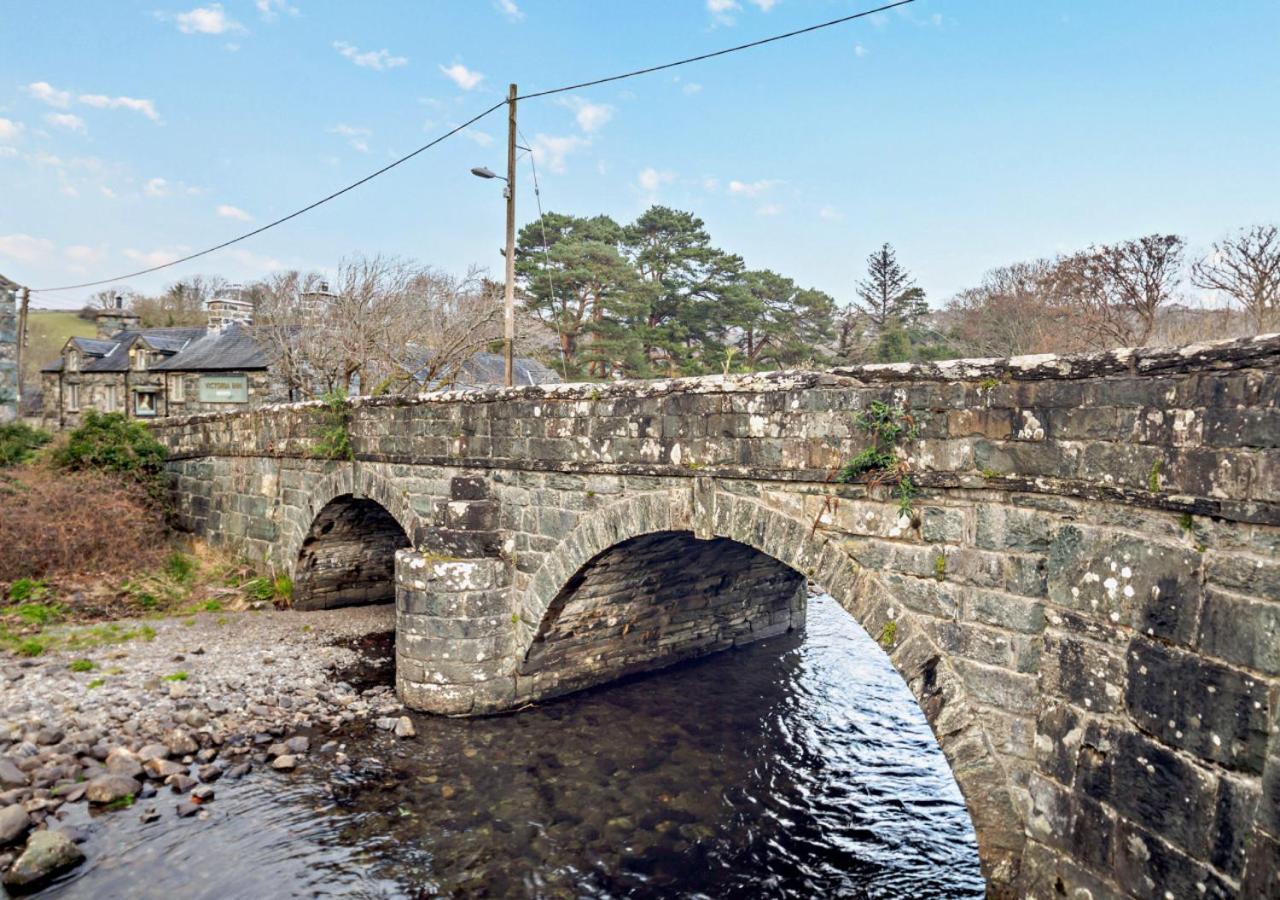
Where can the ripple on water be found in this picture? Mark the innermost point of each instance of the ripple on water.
(798, 767)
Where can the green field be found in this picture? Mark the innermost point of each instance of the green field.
(47, 331)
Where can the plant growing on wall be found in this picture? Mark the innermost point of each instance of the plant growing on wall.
(333, 433)
(885, 424)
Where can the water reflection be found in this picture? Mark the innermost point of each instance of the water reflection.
(795, 768)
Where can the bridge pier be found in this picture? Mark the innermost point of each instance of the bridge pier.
(454, 634)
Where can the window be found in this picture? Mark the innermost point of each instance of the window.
(73, 397)
(73, 361)
(144, 403)
(109, 398)
(177, 389)
(140, 359)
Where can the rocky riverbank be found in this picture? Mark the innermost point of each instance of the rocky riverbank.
(148, 727)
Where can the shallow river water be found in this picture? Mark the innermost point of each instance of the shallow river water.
(798, 767)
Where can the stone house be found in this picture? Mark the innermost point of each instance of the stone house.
(148, 373)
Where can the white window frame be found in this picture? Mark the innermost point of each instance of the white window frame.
(177, 389)
(73, 361)
(73, 397)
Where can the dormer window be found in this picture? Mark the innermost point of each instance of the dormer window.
(140, 360)
(73, 361)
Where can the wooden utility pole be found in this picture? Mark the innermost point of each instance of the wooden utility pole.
(22, 338)
(510, 292)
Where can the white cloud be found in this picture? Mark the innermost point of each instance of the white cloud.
(227, 211)
(157, 257)
(102, 101)
(370, 59)
(47, 93)
(769, 209)
(9, 129)
(270, 10)
(765, 5)
(66, 120)
(483, 138)
(69, 190)
(251, 260)
(752, 188)
(831, 214)
(509, 9)
(107, 192)
(462, 76)
(935, 19)
(590, 116)
(82, 256)
(550, 151)
(25, 248)
(355, 136)
(209, 19)
(859, 50)
(692, 88)
(722, 10)
(8, 151)
(711, 184)
(156, 187)
(650, 179)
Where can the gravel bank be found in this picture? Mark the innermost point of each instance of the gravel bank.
(207, 697)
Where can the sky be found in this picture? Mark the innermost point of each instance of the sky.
(967, 134)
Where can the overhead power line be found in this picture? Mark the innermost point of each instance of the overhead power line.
(474, 119)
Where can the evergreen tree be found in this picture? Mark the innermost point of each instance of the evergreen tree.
(888, 292)
(779, 323)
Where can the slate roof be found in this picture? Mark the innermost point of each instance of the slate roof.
(185, 350)
(487, 369)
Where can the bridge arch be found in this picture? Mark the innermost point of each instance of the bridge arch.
(923, 665)
(342, 547)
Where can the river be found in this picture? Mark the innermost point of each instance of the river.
(797, 767)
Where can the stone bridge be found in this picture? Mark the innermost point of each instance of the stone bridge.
(1081, 588)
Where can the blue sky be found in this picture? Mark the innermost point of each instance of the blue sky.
(968, 134)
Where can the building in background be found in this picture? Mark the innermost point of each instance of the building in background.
(8, 351)
(147, 373)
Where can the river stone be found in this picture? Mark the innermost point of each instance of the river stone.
(180, 783)
(279, 749)
(298, 744)
(14, 821)
(110, 788)
(163, 768)
(211, 772)
(46, 854)
(153, 751)
(180, 743)
(239, 771)
(204, 793)
(11, 775)
(404, 727)
(49, 736)
(285, 763)
(187, 808)
(121, 761)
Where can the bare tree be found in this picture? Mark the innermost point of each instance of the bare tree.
(386, 326)
(1118, 289)
(1246, 267)
(1014, 311)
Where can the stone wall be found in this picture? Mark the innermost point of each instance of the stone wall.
(8, 357)
(1083, 596)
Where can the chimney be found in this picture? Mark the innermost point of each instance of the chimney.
(115, 319)
(228, 307)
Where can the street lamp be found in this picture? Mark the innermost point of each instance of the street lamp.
(509, 329)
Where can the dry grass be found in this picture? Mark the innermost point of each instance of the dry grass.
(76, 523)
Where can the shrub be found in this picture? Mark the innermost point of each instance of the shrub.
(333, 432)
(110, 442)
(26, 590)
(56, 523)
(81, 665)
(19, 442)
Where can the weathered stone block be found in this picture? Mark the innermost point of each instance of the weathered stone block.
(1199, 706)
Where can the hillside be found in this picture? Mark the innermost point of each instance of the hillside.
(47, 331)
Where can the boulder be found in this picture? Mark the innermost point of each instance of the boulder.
(110, 788)
(47, 853)
(14, 823)
(121, 761)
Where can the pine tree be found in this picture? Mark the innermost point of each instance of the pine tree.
(887, 293)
